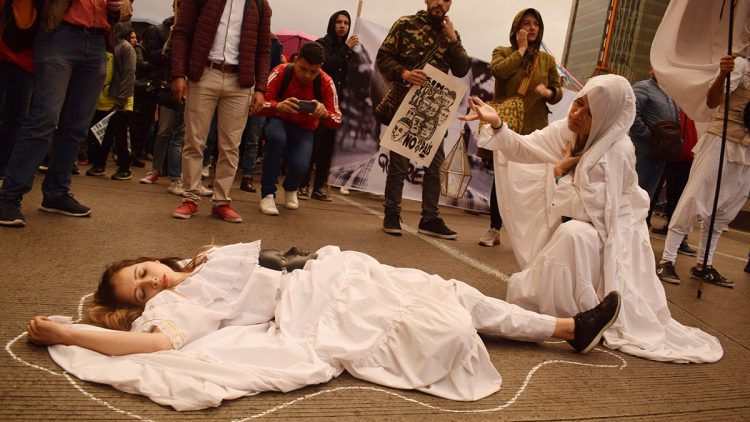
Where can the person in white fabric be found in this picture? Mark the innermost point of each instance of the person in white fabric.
(604, 244)
(281, 330)
(698, 197)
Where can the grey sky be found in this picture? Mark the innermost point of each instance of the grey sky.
(483, 24)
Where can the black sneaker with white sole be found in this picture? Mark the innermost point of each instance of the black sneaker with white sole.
(666, 273)
(436, 227)
(686, 249)
(590, 325)
(10, 214)
(710, 275)
(65, 205)
(392, 224)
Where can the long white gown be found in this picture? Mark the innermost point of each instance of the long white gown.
(239, 329)
(606, 245)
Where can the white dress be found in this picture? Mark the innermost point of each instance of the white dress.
(606, 246)
(239, 329)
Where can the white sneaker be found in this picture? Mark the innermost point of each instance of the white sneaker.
(268, 205)
(290, 197)
(204, 191)
(491, 238)
(205, 172)
(175, 187)
(344, 191)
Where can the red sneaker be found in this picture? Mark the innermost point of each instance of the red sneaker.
(186, 210)
(151, 177)
(226, 213)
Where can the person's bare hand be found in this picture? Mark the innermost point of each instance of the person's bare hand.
(415, 77)
(726, 65)
(567, 162)
(320, 110)
(522, 38)
(258, 100)
(179, 89)
(543, 91)
(289, 106)
(353, 41)
(481, 111)
(114, 5)
(449, 29)
(44, 332)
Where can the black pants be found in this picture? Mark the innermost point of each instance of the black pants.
(496, 222)
(323, 141)
(142, 123)
(117, 135)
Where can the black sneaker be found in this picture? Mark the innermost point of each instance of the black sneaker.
(591, 324)
(135, 162)
(122, 175)
(686, 249)
(710, 275)
(320, 195)
(303, 193)
(66, 205)
(666, 273)
(95, 171)
(392, 224)
(76, 171)
(436, 227)
(747, 266)
(10, 214)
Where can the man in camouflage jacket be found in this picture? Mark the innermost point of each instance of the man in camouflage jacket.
(408, 41)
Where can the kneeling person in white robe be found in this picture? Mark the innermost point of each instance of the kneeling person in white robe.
(604, 245)
(225, 327)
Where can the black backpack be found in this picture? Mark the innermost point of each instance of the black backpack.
(287, 79)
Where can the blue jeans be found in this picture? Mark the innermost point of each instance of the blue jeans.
(15, 88)
(297, 142)
(250, 141)
(70, 71)
(170, 136)
(649, 172)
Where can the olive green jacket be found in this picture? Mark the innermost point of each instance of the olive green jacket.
(506, 68)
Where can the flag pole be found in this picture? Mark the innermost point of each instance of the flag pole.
(359, 8)
(707, 247)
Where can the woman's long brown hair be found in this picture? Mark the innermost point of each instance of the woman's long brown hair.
(105, 311)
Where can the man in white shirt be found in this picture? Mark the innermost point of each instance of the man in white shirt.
(220, 55)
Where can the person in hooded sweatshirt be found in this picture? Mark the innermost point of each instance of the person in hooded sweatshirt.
(603, 243)
(338, 47)
(522, 69)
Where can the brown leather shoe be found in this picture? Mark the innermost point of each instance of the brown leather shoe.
(247, 184)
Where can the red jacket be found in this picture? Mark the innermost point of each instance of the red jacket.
(194, 33)
(302, 92)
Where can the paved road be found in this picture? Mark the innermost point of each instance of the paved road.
(53, 262)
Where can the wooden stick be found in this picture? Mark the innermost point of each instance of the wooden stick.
(359, 8)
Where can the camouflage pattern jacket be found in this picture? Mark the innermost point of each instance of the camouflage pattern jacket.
(410, 38)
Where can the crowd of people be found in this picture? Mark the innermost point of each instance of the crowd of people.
(220, 85)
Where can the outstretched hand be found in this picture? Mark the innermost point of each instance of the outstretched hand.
(481, 111)
(43, 331)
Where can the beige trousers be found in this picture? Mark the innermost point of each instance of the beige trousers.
(220, 92)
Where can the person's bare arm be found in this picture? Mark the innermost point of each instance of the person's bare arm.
(44, 332)
(716, 91)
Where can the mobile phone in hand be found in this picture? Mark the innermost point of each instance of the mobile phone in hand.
(307, 107)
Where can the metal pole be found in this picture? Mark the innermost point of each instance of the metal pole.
(707, 247)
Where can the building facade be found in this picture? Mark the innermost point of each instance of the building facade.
(611, 36)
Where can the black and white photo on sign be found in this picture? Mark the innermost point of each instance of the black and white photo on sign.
(423, 117)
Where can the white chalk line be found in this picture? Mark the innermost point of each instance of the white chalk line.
(439, 244)
(436, 243)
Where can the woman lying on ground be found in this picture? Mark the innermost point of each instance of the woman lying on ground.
(604, 244)
(236, 321)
